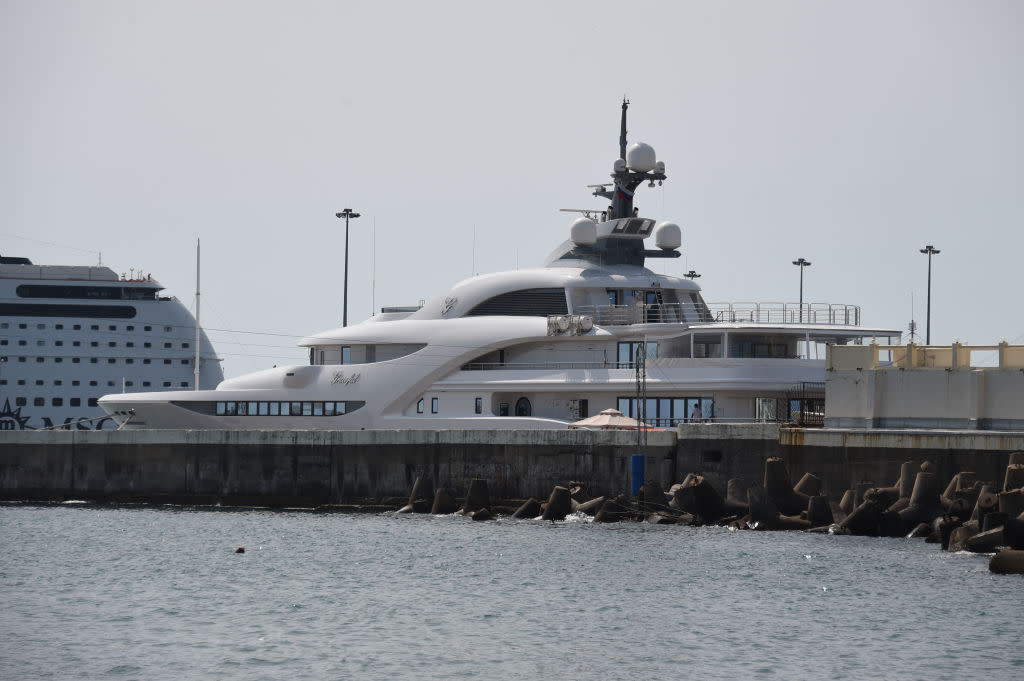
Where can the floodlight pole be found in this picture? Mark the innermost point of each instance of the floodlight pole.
(930, 251)
(801, 263)
(347, 213)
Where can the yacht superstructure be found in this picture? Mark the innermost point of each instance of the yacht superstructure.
(592, 328)
(70, 334)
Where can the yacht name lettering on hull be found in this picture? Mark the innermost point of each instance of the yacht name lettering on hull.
(341, 379)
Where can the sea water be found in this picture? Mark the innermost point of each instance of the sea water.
(160, 593)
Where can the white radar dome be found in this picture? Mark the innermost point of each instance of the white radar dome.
(640, 157)
(668, 236)
(583, 232)
(659, 167)
(619, 166)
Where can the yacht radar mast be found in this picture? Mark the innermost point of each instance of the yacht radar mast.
(634, 166)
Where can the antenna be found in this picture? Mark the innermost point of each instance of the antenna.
(195, 368)
(622, 132)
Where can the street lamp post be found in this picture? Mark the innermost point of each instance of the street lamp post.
(347, 213)
(801, 263)
(930, 251)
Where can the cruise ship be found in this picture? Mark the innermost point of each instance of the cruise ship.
(590, 329)
(71, 334)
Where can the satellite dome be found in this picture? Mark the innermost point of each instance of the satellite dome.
(583, 232)
(640, 157)
(668, 236)
(619, 166)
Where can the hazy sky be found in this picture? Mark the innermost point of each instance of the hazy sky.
(847, 133)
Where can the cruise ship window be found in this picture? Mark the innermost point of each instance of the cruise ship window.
(75, 382)
(145, 384)
(145, 361)
(111, 344)
(59, 343)
(184, 384)
(57, 402)
(95, 327)
(147, 345)
(4, 325)
(130, 344)
(129, 328)
(22, 342)
(129, 361)
(110, 384)
(3, 342)
(20, 401)
(94, 344)
(40, 342)
(129, 383)
(39, 402)
(167, 384)
(93, 383)
(58, 382)
(22, 326)
(60, 327)
(21, 381)
(75, 401)
(184, 361)
(21, 359)
(113, 328)
(40, 326)
(111, 360)
(93, 360)
(77, 327)
(3, 381)
(39, 381)
(167, 361)
(184, 345)
(76, 344)
(167, 345)
(58, 360)
(147, 328)
(40, 360)
(168, 329)
(92, 401)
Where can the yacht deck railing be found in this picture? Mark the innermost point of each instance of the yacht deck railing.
(831, 314)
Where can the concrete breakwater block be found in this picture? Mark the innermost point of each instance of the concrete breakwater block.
(764, 514)
(559, 504)
(481, 514)
(1011, 503)
(986, 542)
(809, 485)
(477, 496)
(846, 504)
(819, 512)
(779, 489)
(652, 498)
(1007, 562)
(1013, 533)
(421, 499)
(924, 503)
(696, 496)
(1014, 477)
(987, 502)
(613, 510)
(736, 497)
(529, 509)
(864, 519)
(591, 507)
(444, 502)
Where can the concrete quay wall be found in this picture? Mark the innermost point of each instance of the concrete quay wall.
(310, 468)
(842, 457)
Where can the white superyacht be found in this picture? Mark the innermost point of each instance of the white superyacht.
(70, 334)
(590, 329)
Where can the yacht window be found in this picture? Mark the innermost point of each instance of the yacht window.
(628, 352)
(264, 408)
(707, 345)
(479, 406)
(613, 297)
(274, 409)
(241, 408)
(346, 354)
(253, 408)
(229, 408)
(307, 408)
(419, 406)
(328, 408)
(537, 302)
(523, 407)
(318, 409)
(433, 405)
(296, 409)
